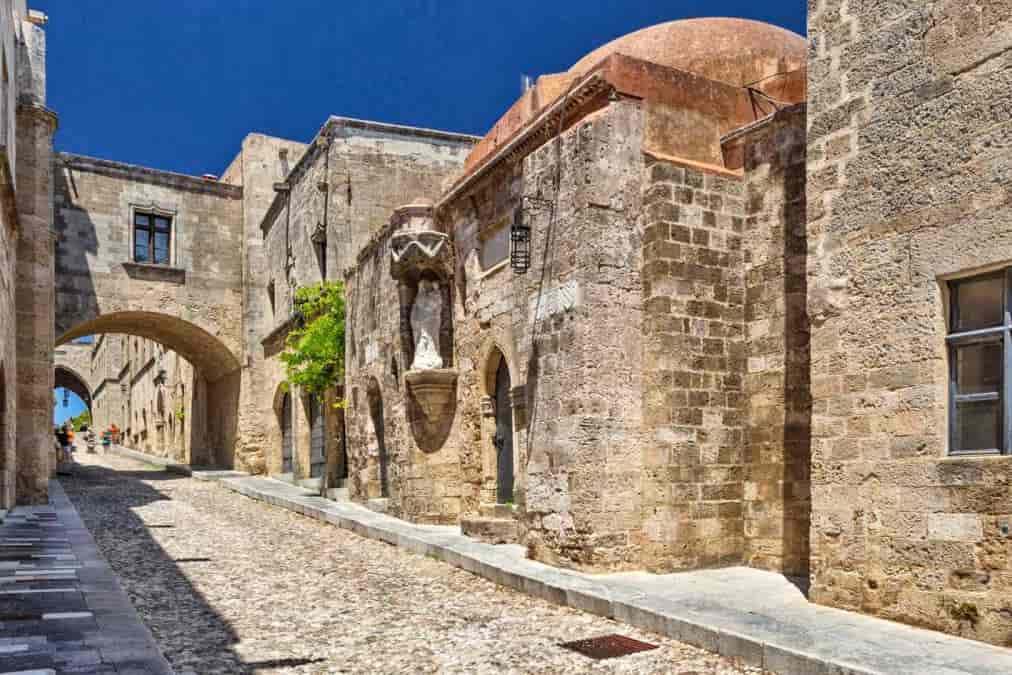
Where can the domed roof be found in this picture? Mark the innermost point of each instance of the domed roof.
(734, 51)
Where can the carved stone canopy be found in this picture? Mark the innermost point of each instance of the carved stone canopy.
(415, 252)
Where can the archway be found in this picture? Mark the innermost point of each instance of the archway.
(287, 442)
(503, 436)
(379, 428)
(69, 379)
(216, 376)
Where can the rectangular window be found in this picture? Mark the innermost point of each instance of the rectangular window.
(979, 361)
(152, 237)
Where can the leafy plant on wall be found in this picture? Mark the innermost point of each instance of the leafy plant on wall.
(314, 349)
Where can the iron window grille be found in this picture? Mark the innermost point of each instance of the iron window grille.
(520, 244)
(152, 238)
(980, 363)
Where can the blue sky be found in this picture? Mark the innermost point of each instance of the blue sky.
(61, 413)
(176, 84)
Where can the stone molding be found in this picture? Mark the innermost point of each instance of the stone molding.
(417, 252)
(142, 174)
(153, 272)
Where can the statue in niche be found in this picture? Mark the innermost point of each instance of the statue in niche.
(426, 318)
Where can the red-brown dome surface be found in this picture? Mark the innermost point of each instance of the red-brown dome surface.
(734, 51)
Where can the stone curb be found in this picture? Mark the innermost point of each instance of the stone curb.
(879, 647)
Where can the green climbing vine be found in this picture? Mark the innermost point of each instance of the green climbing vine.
(314, 349)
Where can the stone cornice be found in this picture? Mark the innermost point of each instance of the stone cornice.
(144, 174)
(534, 133)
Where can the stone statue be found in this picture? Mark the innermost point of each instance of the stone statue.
(426, 317)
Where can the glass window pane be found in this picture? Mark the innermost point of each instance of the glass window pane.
(978, 425)
(978, 368)
(141, 245)
(979, 303)
(161, 223)
(141, 219)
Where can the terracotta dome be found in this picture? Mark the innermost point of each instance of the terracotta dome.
(735, 51)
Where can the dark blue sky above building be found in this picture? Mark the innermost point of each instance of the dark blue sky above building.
(177, 84)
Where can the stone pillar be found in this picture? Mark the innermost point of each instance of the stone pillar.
(34, 302)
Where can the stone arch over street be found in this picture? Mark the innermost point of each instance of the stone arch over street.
(216, 375)
(67, 378)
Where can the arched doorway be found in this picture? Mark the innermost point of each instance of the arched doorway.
(376, 413)
(317, 438)
(286, 434)
(503, 439)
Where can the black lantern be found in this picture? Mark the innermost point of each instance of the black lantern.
(520, 244)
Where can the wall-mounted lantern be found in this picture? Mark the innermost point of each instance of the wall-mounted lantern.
(520, 244)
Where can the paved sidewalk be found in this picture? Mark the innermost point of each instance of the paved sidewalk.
(740, 612)
(61, 608)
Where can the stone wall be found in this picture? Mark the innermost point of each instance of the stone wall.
(908, 173)
(34, 277)
(694, 408)
(584, 376)
(777, 444)
(261, 162)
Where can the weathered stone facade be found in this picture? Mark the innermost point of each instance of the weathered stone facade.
(334, 198)
(907, 184)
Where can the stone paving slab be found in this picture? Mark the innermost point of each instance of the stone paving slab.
(757, 616)
(61, 608)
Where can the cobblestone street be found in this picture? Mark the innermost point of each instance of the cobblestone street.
(230, 585)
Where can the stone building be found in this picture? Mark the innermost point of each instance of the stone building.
(600, 407)
(26, 265)
(909, 226)
(713, 296)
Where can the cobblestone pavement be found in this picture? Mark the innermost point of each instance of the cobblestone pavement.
(230, 585)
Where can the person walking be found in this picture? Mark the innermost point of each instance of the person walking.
(89, 439)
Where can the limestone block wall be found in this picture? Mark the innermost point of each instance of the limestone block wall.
(908, 173)
(489, 323)
(584, 379)
(423, 485)
(694, 421)
(261, 162)
(777, 436)
(108, 372)
(34, 276)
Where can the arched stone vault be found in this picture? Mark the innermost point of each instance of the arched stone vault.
(208, 354)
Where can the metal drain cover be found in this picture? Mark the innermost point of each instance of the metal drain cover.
(608, 646)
